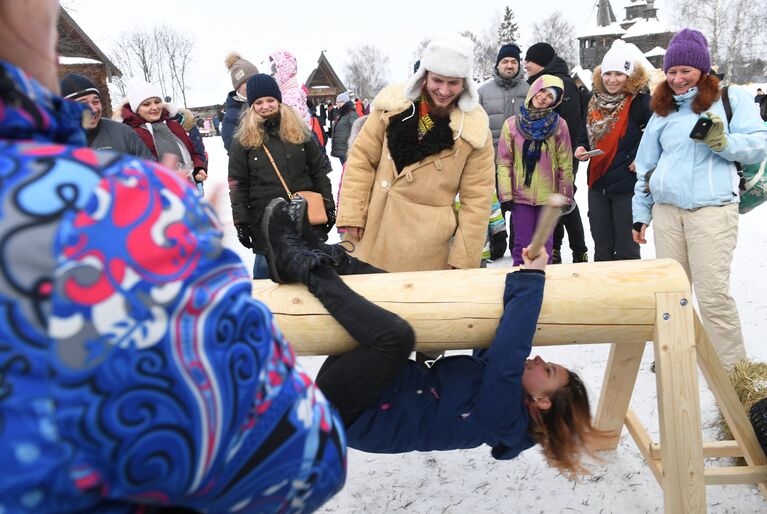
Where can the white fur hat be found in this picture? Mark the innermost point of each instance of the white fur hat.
(451, 55)
(138, 91)
(618, 58)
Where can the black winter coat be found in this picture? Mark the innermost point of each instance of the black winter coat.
(342, 128)
(253, 183)
(570, 108)
(618, 178)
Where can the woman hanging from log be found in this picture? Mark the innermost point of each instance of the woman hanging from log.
(390, 404)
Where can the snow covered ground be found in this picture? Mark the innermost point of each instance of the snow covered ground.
(471, 481)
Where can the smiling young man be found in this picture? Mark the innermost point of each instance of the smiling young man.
(102, 133)
(422, 145)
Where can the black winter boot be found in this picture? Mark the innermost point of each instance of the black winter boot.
(580, 257)
(290, 258)
(556, 256)
(338, 252)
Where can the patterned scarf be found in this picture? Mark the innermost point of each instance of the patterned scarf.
(28, 111)
(166, 143)
(604, 110)
(425, 122)
(536, 126)
(606, 124)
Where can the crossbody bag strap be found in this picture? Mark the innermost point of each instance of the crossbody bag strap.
(277, 170)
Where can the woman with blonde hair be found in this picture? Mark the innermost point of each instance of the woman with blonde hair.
(271, 137)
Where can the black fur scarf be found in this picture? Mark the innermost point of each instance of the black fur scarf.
(404, 146)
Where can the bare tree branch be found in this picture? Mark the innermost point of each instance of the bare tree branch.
(366, 70)
(159, 55)
(560, 34)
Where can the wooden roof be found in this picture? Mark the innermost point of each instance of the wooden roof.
(324, 76)
(74, 42)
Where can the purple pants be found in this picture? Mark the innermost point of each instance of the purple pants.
(525, 218)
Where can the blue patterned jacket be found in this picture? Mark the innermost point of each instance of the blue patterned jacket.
(136, 372)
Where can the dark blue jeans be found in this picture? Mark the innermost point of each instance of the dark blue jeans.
(260, 267)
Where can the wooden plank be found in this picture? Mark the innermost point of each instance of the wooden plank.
(736, 475)
(583, 303)
(728, 401)
(643, 442)
(617, 387)
(679, 405)
(711, 449)
(312, 336)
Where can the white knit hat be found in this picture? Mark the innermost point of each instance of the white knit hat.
(138, 91)
(618, 58)
(451, 55)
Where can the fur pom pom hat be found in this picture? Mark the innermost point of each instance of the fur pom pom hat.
(618, 58)
(139, 91)
(688, 48)
(240, 69)
(450, 55)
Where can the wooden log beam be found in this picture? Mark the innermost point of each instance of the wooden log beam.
(609, 302)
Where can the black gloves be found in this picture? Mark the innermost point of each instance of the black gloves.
(331, 219)
(243, 234)
(498, 245)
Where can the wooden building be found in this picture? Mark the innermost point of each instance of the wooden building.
(640, 27)
(323, 83)
(79, 54)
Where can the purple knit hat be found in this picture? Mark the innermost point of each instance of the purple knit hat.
(688, 48)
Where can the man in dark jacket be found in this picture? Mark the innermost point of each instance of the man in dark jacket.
(501, 97)
(101, 133)
(541, 59)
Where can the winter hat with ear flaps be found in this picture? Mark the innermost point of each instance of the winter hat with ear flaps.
(688, 48)
(450, 55)
(618, 58)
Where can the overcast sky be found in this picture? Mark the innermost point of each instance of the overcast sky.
(255, 29)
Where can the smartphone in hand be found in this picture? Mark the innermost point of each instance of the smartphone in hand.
(701, 128)
(592, 153)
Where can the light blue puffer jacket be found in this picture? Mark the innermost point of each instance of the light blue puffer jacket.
(688, 174)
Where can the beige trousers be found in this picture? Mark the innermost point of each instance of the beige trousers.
(702, 241)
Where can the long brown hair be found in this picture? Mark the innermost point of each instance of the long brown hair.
(251, 133)
(564, 430)
(663, 104)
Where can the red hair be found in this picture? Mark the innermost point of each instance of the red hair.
(663, 102)
(564, 430)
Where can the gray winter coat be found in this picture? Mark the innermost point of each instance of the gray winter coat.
(118, 137)
(342, 128)
(501, 103)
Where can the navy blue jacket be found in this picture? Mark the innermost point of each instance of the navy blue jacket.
(462, 401)
(196, 138)
(618, 178)
(231, 119)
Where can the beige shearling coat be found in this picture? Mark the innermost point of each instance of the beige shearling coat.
(409, 218)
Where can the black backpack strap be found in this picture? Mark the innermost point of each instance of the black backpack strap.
(726, 104)
(728, 114)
